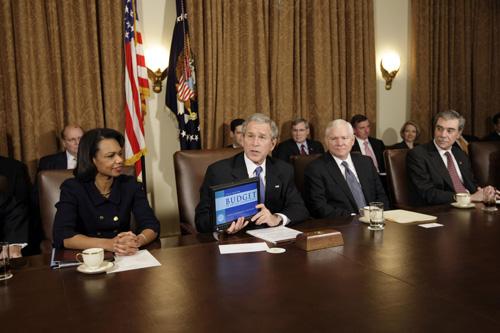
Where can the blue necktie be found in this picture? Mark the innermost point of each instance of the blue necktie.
(354, 186)
(257, 172)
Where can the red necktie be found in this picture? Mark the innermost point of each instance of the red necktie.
(369, 152)
(457, 184)
(303, 149)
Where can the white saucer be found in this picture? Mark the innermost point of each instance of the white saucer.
(101, 269)
(364, 219)
(455, 204)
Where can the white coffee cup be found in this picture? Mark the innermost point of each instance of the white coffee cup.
(364, 212)
(92, 257)
(462, 199)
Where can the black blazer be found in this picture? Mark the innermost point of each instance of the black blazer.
(56, 161)
(378, 149)
(430, 180)
(493, 136)
(327, 193)
(13, 220)
(289, 148)
(281, 194)
(17, 181)
(83, 210)
(400, 145)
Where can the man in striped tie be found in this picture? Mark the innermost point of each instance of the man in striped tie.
(438, 170)
(281, 202)
(340, 183)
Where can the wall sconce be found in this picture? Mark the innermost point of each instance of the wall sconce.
(389, 66)
(157, 78)
(157, 57)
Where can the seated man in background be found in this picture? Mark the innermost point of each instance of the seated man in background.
(299, 144)
(70, 138)
(340, 183)
(439, 169)
(495, 135)
(236, 133)
(371, 147)
(282, 202)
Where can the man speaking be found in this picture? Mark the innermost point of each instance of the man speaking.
(280, 200)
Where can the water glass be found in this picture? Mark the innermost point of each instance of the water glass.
(5, 272)
(376, 216)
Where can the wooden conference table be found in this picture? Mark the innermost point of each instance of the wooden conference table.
(404, 278)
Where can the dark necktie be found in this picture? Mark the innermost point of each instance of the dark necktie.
(354, 186)
(257, 172)
(303, 149)
(457, 184)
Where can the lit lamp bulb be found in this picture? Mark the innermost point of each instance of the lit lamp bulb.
(389, 66)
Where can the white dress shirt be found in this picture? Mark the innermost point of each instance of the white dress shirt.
(445, 159)
(71, 160)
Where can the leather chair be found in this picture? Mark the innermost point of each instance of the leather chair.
(49, 183)
(397, 178)
(300, 163)
(190, 167)
(485, 161)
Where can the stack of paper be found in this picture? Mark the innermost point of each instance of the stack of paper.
(141, 259)
(275, 235)
(406, 216)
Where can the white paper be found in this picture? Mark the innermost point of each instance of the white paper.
(274, 235)
(141, 259)
(406, 216)
(242, 248)
(430, 225)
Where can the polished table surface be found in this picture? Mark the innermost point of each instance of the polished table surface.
(404, 278)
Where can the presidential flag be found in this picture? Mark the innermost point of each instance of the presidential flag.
(136, 88)
(181, 95)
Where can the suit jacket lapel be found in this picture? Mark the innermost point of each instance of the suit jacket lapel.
(295, 149)
(239, 170)
(338, 177)
(273, 182)
(439, 165)
(461, 161)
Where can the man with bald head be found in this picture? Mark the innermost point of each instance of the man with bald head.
(340, 183)
(70, 138)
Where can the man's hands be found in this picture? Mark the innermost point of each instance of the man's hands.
(264, 216)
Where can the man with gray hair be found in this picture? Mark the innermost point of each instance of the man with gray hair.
(299, 144)
(281, 202)
(340, 183)
(438, 170)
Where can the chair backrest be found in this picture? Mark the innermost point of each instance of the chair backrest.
(300, 163)
(190, 167)
(49, 184)
(397, 177)
(485, 161)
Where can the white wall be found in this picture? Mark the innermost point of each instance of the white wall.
(161, 131)
(391, 34)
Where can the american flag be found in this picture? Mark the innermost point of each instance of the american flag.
(181, 95)
(136, 88)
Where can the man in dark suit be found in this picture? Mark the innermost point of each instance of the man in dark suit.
(439, 169)
(282, 204)
(70, 138)
(367, 145)
(340, 183)
(236, 133)
(495, 135)
(299, 144)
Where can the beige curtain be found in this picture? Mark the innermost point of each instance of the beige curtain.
(455, 61)
(284, 58)
(62, 62)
